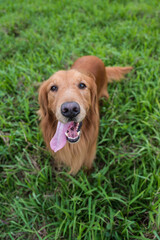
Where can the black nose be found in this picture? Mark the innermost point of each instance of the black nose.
(70, 109)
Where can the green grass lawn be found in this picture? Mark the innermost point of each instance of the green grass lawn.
(120, 199)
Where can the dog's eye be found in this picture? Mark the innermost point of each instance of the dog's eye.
(82, 86)
(54, 88)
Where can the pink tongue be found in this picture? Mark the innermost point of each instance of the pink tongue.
(59, 139)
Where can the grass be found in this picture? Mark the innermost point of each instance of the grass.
(121, 198)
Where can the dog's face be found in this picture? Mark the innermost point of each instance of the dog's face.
(69, 95)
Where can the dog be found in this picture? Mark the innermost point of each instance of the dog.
(69, 110)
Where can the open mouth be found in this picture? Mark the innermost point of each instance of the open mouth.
(73, 132)
(65, 132)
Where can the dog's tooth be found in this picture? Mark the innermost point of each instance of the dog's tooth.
(77, 126)
(66, 134)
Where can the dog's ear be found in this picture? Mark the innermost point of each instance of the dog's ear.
(93, 91)
(43, 99)
(116, 73)
(94, 98)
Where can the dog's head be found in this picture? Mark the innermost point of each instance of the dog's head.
(69, 96)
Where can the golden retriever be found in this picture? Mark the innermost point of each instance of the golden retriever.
(69, 110)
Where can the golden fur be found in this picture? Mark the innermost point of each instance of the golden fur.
(91, 71)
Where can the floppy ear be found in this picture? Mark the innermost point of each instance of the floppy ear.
(94, 98)
(116, 73)
(43, 99)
